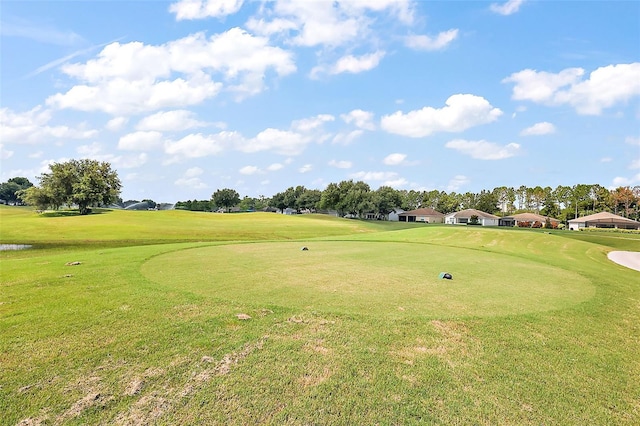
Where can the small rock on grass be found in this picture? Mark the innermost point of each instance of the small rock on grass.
(243, 316)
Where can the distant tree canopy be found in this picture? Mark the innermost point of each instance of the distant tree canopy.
(358, 199)
(84, 183)
(225, 198)
(10, 190)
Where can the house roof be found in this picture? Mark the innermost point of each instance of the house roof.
(422, 212)
(603, 217)
(530, 217)
(467, 213)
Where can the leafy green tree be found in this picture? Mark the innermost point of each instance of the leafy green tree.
(359, 199)
(333, 196)
(411, 200)
(469, 200)
(226, 198)
(505, 197)
(600, 197)
(247, 203)
(487, 201)
(537, 196)
(522, 198)
(292, 195)
(278, 201)
(448, 203)
(430, 198)
(309, 199)
(386, 199)
(550, 207)
(84, 183)
(580, 197)
(9, 190)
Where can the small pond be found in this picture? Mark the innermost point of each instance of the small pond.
(4, 247)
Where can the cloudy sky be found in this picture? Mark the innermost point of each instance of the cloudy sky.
(187, 97)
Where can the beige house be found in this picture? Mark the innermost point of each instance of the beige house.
(603, 220)
(527, 218)
(424, 215)
(463, 217)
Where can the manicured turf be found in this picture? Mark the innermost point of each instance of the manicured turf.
(376, 278)
(535, 328)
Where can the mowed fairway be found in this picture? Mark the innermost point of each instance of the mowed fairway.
(371, 278)
(195, 318)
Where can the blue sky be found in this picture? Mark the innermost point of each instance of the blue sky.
(187, 97)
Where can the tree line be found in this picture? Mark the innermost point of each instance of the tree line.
(88, 183)
(356, 198)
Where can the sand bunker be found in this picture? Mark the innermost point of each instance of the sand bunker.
(630, 259)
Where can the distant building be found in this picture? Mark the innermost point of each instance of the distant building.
(424, 215)
(603, 220)
(463, 217)
(527, 220)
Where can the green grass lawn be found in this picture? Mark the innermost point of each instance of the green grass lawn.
(534, 328)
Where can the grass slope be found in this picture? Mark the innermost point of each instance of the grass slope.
(145, 329)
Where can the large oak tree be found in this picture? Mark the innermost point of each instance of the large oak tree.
(82, 183)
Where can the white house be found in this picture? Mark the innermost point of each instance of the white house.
(528, 220)
(463, 217)
(425, 215)
(603, 220)
(394, 216)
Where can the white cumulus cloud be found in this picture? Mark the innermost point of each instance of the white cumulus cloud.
(357, 64)
(200, 9)
(283, 142)
(425, 42)
(34, 126)
(116, 123)
(275, 167)
(626, 181)
(342, 164)
(312, 123)
(140, 141)
(135, 77)
(508, 8)
(249, 170)
(394, 159)
(199, 145)
(633, 140)
(457, 182)
(461, 112)
(483, 150)
(543, 128)
(170, 121)
(605, 87)
(374, 176)
(327, 23)
(191, 179)
(306, 168)
(361, 119)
